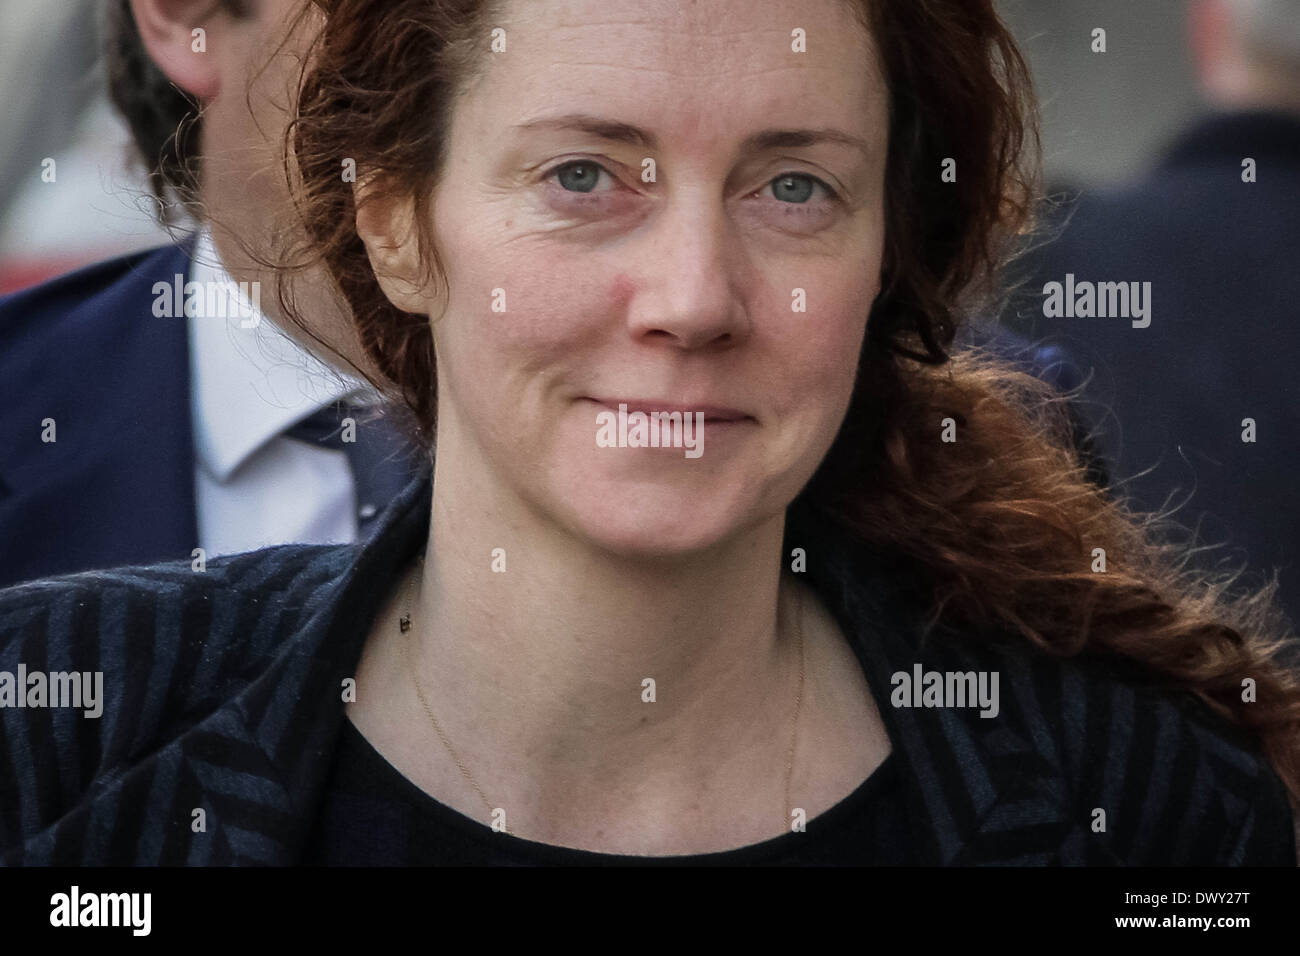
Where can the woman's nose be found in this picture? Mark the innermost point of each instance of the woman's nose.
(687, 292)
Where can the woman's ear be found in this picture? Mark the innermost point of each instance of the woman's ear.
(178, 35)
(387, 226)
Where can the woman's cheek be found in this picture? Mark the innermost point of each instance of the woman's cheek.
(826, 349)
(543, 303)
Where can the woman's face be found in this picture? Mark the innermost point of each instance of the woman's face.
(737, 283)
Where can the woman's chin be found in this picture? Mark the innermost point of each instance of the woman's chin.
(655, 525)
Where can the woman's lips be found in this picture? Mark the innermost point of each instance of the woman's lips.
(714, 414)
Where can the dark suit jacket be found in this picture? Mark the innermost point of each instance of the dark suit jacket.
(223, 692)
(117, 487)
(1223, 260)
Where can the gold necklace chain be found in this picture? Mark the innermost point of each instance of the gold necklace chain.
(404, 626)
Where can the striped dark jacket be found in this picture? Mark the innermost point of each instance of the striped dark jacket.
(223, 694)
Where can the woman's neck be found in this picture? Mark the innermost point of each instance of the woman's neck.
(556, 641)
(613, 703)
(559, 672)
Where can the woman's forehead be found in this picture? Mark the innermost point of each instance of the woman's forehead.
(694, 39)
(693, 64)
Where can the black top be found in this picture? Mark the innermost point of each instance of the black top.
(374, 816)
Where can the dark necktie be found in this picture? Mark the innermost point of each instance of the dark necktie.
(382, 461)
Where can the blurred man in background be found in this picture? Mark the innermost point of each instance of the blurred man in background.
(68, 193)
(139, 424)
(1202, 388)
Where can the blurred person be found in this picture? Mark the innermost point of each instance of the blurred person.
(145, 423)
(565, 648)
(67, 196)
(1198, 409)
(97, 207)
(43, 52)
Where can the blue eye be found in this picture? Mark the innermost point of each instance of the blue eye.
(797, 187)
(582, 175)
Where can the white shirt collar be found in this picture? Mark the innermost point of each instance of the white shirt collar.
(249, 380)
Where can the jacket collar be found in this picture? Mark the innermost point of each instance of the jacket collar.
(251, 380)
(293, 711)
(970, 782)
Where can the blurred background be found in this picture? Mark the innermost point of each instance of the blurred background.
(1104, 119)
(55, 108)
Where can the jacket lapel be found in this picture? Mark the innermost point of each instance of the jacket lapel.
(288, 720)
(978, 789)
(242, 785)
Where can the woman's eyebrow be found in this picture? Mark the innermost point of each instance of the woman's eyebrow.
(626, 133)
